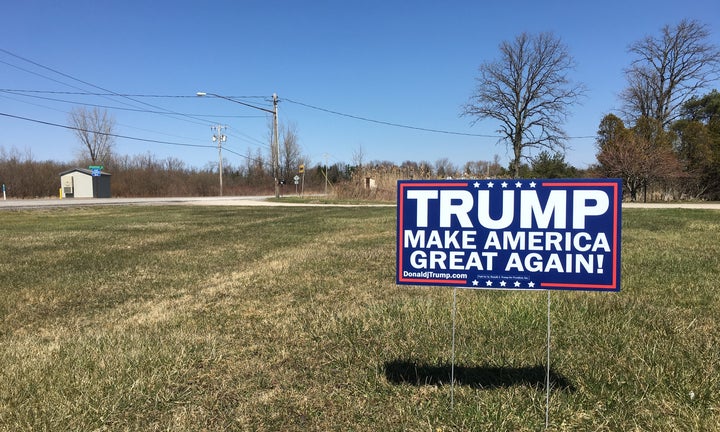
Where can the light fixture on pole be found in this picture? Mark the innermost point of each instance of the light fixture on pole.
(276, 150)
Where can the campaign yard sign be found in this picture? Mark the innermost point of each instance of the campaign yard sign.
(548, 234)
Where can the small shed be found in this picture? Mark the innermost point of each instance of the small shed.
(85, 183)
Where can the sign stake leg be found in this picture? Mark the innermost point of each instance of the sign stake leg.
(452, 355)
(547, 371)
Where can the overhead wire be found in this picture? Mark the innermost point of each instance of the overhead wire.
(307, 105)
(386, 123)
(65, 112)
(86, 93)
(110, 93)
(103, 133)
(39, 74)
(193, 118)
(4, 92)
(25, 93)
(114, 135)
(167, 112)
(400, 125)
(226, 148)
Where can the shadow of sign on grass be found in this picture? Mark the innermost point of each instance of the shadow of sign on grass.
(483, 377)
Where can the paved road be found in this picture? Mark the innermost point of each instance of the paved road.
(201, 201)
(77, 202)
(694, 205)
(238, 201)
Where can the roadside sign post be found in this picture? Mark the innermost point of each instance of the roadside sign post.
(301, 171)
(510, 234)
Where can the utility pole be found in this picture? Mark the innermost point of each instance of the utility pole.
(326, 171)
(220, 138)
(276, 159)
(275, 150)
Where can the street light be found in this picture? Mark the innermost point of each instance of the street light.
(274, 112)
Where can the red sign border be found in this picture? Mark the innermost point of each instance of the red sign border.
(613, 286)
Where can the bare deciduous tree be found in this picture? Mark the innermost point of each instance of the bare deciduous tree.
(358, 157)
(289, 151)
(483, 169)
(444, 168)
(94, 128)
(528, 91)
(668, 70)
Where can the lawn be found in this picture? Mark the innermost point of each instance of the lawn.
(288, 318)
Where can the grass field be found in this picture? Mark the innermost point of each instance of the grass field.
(288, 318)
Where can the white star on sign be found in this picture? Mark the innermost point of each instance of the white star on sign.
(502, 283)
(504, 184)
(518, 184)
(531, 285)
(476, 184)
(490, 185)
(475, 283)
(532, 184)
(488, 283)
(517, 284)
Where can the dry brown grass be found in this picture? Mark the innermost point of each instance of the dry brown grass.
(192, 318)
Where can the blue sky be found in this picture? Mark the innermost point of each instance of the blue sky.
(409, 63)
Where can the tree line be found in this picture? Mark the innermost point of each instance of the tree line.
(149, 176)
(680, 161)
(670, 136)
(666, 138)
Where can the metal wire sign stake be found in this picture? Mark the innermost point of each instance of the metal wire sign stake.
(502, 234)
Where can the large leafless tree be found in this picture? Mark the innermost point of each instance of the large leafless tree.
(528, 90)
(94, 129)
(668, 70)
(290, 152)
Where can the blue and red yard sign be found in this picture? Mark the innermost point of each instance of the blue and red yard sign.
(510, 234)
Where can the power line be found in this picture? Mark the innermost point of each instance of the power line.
(21, 93)
(105, 133)
(166, 111)
(127, 137)
(105, 95)
(356, 117)
(86, 93)
(125, 95)
(399, 125)
(110, 93)
(65, 112)
(39, 74)
(241, 136)
(387, 123)
(24, 93)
